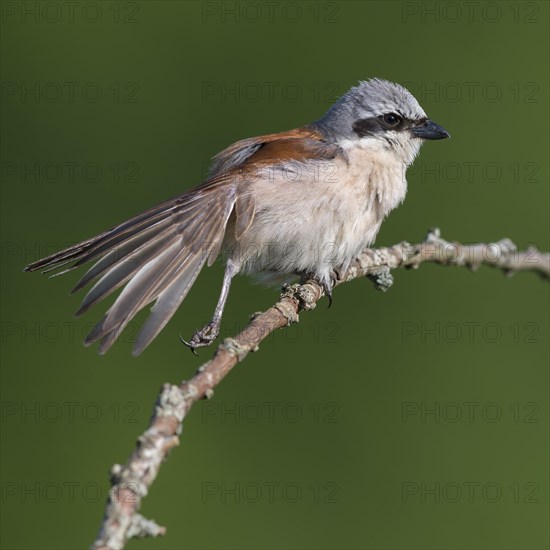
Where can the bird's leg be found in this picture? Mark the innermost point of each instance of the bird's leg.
(206, 335)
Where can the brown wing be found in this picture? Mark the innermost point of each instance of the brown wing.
(247, 155)
(159, 253)
(298, 144)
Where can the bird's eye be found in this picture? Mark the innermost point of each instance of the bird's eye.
(392, 120)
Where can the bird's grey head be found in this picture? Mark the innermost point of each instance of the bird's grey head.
(381, 115)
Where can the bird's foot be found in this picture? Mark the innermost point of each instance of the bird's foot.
(327, 286)
(335, 276)
(203, 337)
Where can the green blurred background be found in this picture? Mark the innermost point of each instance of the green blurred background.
(408, 420)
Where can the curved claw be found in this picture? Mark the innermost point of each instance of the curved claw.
(328, 293)
(203, 337)
(189, 345)
(327, 287)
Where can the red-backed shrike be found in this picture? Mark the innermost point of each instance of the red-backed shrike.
(306, 201)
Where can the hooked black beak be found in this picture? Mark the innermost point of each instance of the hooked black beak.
(430, 130)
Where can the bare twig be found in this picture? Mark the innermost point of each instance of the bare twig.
(131, 482)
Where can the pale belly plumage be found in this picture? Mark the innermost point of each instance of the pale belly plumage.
(346, 204)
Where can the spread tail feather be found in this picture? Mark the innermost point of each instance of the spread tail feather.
(157, 255)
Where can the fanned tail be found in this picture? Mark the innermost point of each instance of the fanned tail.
(157, 255)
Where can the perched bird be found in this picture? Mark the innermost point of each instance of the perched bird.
(305, 201)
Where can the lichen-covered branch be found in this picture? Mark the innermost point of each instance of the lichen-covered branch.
(131, 482)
